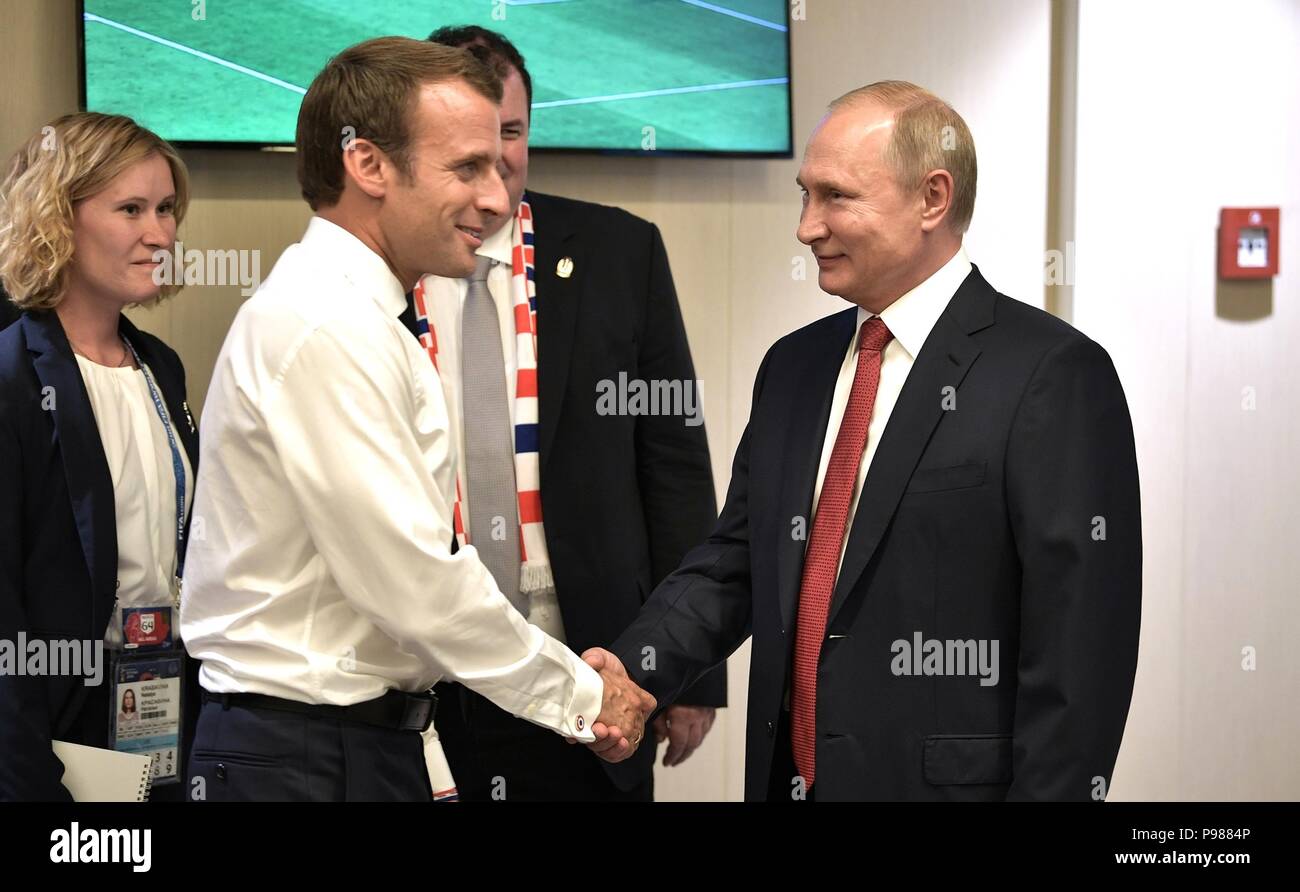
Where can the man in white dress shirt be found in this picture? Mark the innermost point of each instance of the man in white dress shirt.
(323, 593)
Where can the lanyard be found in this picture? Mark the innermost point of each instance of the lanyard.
(178, 468)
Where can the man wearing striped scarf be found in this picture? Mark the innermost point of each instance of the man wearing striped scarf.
(577, 513)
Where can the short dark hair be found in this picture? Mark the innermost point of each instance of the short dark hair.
(491, 47)
(371, 88)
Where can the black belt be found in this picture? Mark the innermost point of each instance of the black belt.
(397, 710)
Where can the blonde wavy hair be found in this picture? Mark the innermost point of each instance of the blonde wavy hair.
(70, 159)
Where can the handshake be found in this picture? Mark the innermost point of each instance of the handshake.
(624, 708)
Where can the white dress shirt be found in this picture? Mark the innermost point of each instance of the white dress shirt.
(445, 301)
(144, 486)
(323, 571)
(909, 319)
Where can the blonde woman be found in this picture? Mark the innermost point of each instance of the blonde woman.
(97, 448)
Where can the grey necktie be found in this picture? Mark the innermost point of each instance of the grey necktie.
(489, 439)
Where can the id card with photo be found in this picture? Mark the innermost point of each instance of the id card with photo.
(146, 711)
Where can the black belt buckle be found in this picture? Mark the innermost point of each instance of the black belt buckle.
(419, 712)
(209, 697)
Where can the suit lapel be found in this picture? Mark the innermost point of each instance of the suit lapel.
(803, 450)
(558, 300)
(90, 486)
(945, 359)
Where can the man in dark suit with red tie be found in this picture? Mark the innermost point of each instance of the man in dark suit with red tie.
(932, 530)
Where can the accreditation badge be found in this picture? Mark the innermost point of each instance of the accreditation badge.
(148, 677)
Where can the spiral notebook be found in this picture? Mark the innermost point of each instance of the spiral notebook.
(92, 774)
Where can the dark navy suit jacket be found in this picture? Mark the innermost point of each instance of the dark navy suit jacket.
(58, 539)
(1001, 507)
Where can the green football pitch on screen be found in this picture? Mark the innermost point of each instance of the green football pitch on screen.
(667, 75)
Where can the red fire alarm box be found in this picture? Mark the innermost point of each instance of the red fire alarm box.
(1248, 243)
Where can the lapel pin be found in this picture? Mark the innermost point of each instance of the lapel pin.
(564, 268)
(188, 417)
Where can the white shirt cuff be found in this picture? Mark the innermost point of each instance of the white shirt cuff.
(588, 697)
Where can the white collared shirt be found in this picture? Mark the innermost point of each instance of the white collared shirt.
(910, 319)
(445, 301)
(319, 566)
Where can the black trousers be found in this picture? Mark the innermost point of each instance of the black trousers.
(780, 781)
(251, 754)
(497, 757)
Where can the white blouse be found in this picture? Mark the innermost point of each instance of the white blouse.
(144, 486)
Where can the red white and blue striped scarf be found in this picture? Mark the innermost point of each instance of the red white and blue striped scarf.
(535, 563)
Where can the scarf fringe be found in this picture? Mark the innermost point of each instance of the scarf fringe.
(535, 577)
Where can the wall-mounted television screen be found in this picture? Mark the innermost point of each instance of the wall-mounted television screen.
(653, 76)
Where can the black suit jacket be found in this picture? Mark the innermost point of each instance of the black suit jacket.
(623, 496)
(58, 539)
(1007, 514)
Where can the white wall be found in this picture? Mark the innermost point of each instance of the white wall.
(1184, 108)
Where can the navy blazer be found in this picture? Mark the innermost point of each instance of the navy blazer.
(58, 539)
(978, 524)
(610, 544)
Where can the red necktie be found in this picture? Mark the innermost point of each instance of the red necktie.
(822, 561)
